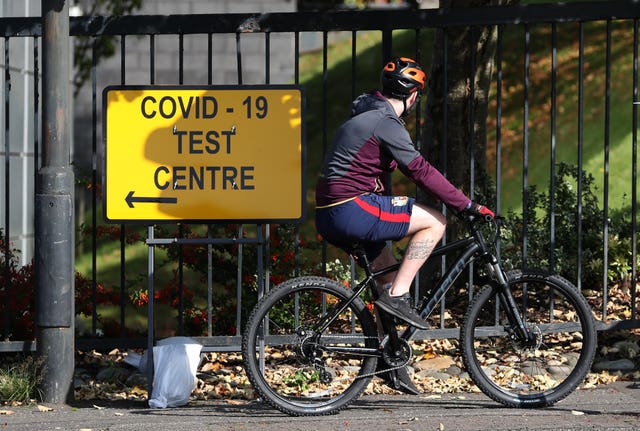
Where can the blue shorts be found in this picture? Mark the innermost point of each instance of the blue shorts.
(369, 220)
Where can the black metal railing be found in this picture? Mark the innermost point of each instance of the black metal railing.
(523, 25)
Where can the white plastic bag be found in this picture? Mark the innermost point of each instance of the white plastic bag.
(175, 363)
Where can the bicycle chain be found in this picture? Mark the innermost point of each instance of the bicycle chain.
(403, 364)
(356, 337)
(375, 373)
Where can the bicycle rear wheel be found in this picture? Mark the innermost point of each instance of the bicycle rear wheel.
(303, 369)
(536, 374)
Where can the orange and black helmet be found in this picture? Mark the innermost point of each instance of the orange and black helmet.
(402, 76)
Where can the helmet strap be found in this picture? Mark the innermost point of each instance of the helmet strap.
(407, 110)
(404, 109)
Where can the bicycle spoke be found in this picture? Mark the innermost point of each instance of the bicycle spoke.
(299, 370)
(538, 371)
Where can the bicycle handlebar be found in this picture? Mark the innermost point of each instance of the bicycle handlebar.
(474, 218)
(471, 220)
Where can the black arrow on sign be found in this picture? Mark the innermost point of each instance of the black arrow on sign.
(130, 200)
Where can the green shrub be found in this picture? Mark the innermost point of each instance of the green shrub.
(531, 245)
(225, 260)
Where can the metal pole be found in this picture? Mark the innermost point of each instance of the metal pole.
(54, 212)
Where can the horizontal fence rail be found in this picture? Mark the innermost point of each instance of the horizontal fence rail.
(232, 266)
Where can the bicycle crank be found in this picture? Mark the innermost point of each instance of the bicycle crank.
(396, 356)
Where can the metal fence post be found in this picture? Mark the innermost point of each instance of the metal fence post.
(54, 212)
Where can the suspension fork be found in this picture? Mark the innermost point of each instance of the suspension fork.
(511, 308)
(516, 321)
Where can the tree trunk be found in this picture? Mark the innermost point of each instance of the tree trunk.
(453, 146)
(470, 63)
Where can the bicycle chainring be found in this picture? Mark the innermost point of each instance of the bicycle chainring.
(396, 357)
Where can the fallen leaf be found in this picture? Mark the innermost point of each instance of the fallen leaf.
(577, 413)
(98, 407)
(136, 390)
(441, 427)
(6, 412)
(119, 414)
(44, 408)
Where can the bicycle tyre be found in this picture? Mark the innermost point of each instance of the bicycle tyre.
(286, 367)
(535, 376)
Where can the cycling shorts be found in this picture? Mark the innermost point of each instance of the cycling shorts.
(368, 219)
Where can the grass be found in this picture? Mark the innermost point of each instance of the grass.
(109, 256)
(568, 130)
(19, 379)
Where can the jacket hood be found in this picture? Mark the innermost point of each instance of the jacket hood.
(370, 102)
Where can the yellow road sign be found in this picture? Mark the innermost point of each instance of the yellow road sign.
(204, 153)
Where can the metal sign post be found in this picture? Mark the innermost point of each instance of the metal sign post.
(54, 224)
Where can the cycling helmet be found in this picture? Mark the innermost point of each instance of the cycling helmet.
(401, 77)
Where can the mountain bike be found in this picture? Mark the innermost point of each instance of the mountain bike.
(527, 338)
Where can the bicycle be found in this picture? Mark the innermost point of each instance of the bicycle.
(527, 338)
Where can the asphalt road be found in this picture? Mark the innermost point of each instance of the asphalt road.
(612, 407)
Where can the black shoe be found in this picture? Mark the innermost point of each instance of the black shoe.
(399, 380)
(400, 306)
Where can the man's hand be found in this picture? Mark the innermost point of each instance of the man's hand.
(480, 210)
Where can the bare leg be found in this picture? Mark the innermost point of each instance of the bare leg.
(383, 260)
(427, 226)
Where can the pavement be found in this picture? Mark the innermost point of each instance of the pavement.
(615, 406)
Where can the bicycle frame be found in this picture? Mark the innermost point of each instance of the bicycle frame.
(472, 246)
(469, 250)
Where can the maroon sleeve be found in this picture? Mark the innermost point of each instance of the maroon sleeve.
(433, 182)
(396, 140)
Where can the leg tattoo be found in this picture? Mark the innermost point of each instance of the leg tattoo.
(420, 249)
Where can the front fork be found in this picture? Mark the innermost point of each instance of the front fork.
(516, 320)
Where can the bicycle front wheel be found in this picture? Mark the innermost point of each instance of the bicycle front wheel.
(304, 352)
(539, 372)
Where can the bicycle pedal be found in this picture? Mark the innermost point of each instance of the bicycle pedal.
(399, 380)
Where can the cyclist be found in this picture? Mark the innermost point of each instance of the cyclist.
(350, 202)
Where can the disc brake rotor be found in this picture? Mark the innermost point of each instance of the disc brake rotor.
(523, 346)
